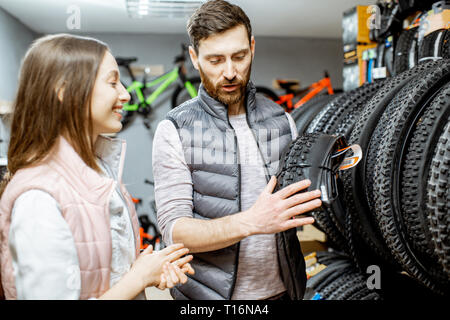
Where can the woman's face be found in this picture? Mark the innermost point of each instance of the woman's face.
(108, 97)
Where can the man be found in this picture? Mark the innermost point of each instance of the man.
(212, 161)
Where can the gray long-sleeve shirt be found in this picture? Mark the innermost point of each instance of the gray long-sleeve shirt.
(258, 274)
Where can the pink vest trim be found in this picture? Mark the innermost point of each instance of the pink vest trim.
(83, 196)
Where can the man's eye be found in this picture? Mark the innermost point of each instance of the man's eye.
(215, 61)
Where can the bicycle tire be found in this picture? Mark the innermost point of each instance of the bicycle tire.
(405, 53)
(358, 285)
(344, 116)
(429, 47)
(304, 114)
(328, 120)
(445, 46)
(180, 93)
(327, 258)
(356, 181)
(400, 115)
(300, 151)
(388, 58)
(379, 63)
(314, 124)
(327, 291)
(269, 93)
(438, 205)
(325, 276)
(417, 167)
(347, 286)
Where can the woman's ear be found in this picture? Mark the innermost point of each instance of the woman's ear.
(60, 91)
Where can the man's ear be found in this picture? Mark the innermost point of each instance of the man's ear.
(252, 46)
(194, 57)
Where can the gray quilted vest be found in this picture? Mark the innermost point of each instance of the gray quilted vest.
(211, 152)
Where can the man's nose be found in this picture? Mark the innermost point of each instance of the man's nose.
(230, 70)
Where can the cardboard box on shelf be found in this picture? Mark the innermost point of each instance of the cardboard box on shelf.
(355, 25)
(433, 21)
(354, 71)
(311, 239)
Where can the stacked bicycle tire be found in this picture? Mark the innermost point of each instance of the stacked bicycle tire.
(396, 201)
(339, 280)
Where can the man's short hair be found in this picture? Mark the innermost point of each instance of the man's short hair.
(214, 17)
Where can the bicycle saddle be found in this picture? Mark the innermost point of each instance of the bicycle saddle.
(288, 84)
(317, 157)
(125, 61)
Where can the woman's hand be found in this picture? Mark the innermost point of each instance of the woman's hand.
(163, 269)
(151, 265)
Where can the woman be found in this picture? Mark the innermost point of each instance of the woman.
(69, 229)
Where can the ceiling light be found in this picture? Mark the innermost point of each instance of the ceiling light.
(162, 8)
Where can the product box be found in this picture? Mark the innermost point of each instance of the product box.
(355, 67)
(355, 26)
(434, 20)
(311, 239)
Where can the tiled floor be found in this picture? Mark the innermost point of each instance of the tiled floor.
(153, 293)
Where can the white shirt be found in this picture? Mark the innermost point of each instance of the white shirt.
(43, 251)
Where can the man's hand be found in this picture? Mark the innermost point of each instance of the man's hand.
(273, 212)
(174, 273)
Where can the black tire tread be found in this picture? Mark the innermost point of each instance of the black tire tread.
(417, 165)
(397, 118)
(402, 49)
(439, 200)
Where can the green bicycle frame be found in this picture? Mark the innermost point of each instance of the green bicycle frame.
(164, 81)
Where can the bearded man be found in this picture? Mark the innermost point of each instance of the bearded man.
(214, 160)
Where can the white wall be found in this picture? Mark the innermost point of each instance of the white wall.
(14, 41)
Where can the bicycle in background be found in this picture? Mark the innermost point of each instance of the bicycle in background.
(144, 93)
(288, 100)
(149, 233)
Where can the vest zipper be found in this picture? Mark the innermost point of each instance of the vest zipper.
(239, 205)
(267, 180)
(122, 197)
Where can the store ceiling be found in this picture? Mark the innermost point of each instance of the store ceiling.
(301, 18)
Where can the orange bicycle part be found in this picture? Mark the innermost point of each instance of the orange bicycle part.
(135, 200)
(291, 88)
(315, 88)
(287, 98)
(144, 235)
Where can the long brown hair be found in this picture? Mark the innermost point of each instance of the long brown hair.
(63, 65)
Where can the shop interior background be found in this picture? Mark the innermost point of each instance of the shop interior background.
(295, 39)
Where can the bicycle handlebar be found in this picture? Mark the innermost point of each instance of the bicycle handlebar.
(121, 61)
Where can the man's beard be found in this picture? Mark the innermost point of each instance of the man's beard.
(217, 92)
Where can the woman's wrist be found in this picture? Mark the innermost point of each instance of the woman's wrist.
(135, 280)
(126, 289)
